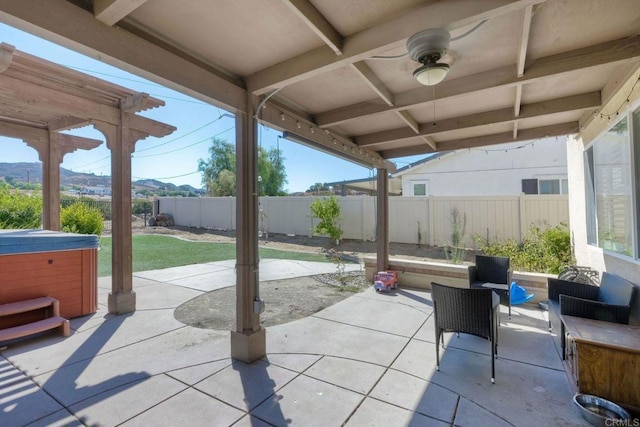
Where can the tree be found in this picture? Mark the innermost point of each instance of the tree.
(327, 210)
(318, 187)
(272, 173)
(218, 172)
(225, 184)
(222, 156)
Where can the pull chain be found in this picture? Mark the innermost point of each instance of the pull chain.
(433, 88)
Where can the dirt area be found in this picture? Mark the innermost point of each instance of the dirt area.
(289, 299)
(285, 301)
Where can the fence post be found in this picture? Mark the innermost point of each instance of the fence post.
(523, 215)
(311, 200)
(432, 220)
(362, 213)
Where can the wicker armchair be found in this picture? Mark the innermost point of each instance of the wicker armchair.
(470, 311)
(493, 272)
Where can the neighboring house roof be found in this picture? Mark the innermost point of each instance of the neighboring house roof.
(395, 179)
(370, 184)
(420, 162)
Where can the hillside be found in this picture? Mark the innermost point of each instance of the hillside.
(32, 173)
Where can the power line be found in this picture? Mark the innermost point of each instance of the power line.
(145, 82)
(186, 146)
(186, 134)
(168, 177)
(159, 154)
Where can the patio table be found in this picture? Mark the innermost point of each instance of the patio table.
(502, 290)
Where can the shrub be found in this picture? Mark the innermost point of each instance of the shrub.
(19, 210)
(328, 211)
(456, 252)
(81, 218)
(541, 251)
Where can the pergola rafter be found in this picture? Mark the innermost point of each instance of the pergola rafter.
(38, 99)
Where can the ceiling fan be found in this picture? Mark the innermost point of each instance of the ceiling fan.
(428, 47)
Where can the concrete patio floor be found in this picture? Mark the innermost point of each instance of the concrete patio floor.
(366, 361)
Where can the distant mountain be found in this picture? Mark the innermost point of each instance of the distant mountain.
(32, 173)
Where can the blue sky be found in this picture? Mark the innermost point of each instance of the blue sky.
(175, 157)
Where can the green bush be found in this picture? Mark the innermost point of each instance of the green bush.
(327, 210)
(541, 251)
(19, 210)
(81, 218)
(141, 207)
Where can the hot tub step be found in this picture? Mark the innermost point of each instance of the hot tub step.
(52, 320)
(36, 327)
(29, 305)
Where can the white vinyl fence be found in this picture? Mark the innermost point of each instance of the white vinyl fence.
(425, 220)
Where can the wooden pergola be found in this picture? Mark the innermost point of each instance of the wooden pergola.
(39, 100)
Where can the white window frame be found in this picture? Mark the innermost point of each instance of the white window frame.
(424, 182)
(560, 180)
(634, 146)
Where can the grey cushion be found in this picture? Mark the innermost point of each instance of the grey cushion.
(615, 290)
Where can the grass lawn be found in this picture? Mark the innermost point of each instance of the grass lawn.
(155, 252)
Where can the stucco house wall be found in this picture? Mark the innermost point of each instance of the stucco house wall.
(488, 171)
(589, 254)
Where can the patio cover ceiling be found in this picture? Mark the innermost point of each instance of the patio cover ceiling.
(38, 97)
(520, 69)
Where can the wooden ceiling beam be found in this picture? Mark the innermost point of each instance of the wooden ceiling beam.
(393, 33)
(486, 140)
(616, 51)
(283, 118)
(431, 143)
(312, 17)
(112, 11)
(409, 120)
(6, 56)
(584, 101)
(520, 62)
(524, 40)
(373, 81)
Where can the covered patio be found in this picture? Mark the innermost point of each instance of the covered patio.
(368, 360)
(340, 77)
(337, 76)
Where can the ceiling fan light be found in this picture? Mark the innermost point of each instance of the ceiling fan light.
(431, 74)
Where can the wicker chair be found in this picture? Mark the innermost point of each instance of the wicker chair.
(470, 311)
(492, 272)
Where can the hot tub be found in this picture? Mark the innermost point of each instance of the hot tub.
(37, 263)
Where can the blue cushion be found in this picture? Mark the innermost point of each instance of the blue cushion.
(29, 241)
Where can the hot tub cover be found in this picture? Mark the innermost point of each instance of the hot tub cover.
(28, 241)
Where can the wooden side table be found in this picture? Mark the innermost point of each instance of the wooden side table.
(603, 359)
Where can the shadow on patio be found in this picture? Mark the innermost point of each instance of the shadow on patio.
(368, 360)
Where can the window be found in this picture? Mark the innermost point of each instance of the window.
(553, 186)
(530, 186)
(420, 188)
(545, 186)
(609, 188)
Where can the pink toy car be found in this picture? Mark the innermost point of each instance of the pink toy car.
(385, 280)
